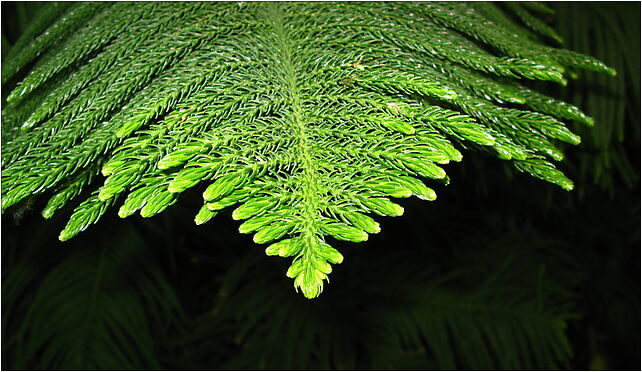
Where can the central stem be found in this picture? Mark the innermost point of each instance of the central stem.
(286, 69)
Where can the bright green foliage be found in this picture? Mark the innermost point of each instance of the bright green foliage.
(304, 117)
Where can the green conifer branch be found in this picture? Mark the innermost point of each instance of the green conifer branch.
(307, 118)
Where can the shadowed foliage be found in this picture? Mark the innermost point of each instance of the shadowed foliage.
(126, 104)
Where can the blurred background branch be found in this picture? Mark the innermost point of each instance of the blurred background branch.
(501, 272)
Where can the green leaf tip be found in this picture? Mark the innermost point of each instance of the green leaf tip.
(285, 247)
(222, 186)
(309, 275)
(611, 71)
(204, 215)
(309, 281)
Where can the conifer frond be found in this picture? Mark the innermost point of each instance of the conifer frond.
(473, 317)
(306, 117)
(606, 32)
(92, 307)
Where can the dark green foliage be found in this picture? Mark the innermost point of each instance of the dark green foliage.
(85, 307)
(306, 116)
(501, 272)
(611, 33)
(453, 319)
(471, 310)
